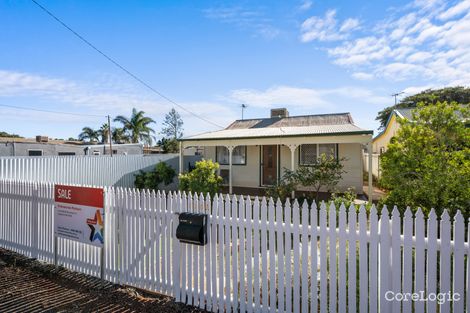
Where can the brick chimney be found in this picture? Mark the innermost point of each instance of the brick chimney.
(40, 138)
(280, 113)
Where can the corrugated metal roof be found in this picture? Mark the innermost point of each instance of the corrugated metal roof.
(304, 120)
(406, 113)
(315, 130)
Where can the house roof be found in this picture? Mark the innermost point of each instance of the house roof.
(305, 125)
(404, 113)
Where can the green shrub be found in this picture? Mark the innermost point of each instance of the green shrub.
(163, 173)
(203, 178)
(347, 198)
(281, 190)
(325, 173)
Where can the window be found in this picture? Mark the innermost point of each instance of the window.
(328, 149)
(66, 153)
(309, 153)
(35, 152)
(238, 155)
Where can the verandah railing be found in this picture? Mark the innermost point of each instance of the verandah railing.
(261, 255)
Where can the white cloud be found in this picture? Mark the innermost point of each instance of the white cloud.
(349, 25)
(326, 29)
(426, 40)
(306, 4)
(279, 95)
(460, 8)
(252, 20)
(303, 98)
(417, 89)
(100, 98)
(363, 76)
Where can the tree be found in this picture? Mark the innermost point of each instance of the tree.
(163, 173)
(5, 134)
(169, 145)
(88, 134)
(173, 125)
(427, 164)
(202, 179)
(119, 135)
(137, 126)
(103, 133)
(459, 95)
(326, 173)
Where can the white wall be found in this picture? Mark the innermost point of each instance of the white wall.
(118, 170)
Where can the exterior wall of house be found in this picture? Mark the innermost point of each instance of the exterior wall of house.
(249, 175)
(382, 141)
(352, 165)
(243, 175)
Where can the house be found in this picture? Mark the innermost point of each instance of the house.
(254, 153)
(43, 146)
(381, 141)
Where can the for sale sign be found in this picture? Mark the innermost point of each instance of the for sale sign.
(79, 214)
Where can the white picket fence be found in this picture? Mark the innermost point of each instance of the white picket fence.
(102, 170)
(261, 256)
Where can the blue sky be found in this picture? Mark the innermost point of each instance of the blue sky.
(211, 56)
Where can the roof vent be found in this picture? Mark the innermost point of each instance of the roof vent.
(282, 112)
(42, 139)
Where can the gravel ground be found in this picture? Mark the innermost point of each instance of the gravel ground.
(30, 286)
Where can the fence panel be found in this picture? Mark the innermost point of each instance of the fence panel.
(104, 170)
(262, 256)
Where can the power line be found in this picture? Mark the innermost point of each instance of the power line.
(141, 81)
(48, 111)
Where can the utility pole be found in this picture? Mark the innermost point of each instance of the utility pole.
(396, 95)
(244, 106)
(110, 136)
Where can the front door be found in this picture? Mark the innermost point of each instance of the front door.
(269, 165)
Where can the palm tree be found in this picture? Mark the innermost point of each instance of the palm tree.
(119, 135)
(89, 134)
(103, 132)
(137, 126)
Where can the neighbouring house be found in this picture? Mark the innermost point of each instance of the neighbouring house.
(43, 146)
(254, 153)
(381, 141)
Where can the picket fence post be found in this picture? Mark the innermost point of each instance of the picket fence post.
(262, 255)
(34, 221)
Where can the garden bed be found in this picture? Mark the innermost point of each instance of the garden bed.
(27, 285)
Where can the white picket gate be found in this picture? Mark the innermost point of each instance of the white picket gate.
(261, 256)
(102, 170)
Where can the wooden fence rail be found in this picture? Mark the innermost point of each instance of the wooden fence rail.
(261, 256)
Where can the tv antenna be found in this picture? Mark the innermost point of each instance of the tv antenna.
(396, 95)
(244, 106)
